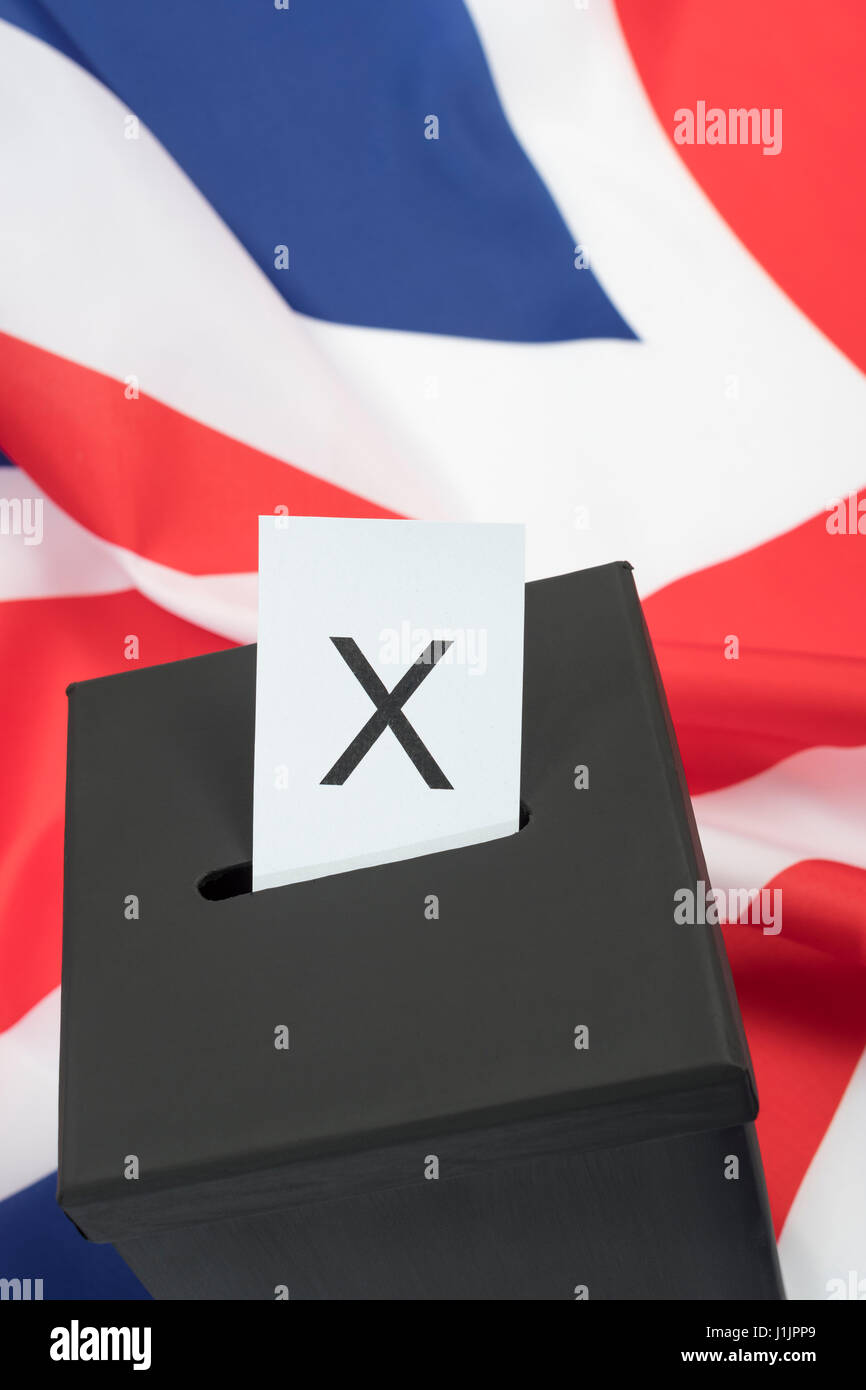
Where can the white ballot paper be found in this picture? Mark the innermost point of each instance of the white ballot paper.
(389, 691)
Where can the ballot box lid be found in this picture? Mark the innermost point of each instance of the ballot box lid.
(226, 1052)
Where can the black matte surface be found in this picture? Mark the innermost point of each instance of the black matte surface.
(402, 1029)
(656, 1220)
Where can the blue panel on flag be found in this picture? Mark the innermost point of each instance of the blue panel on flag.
(307, 128)
(38, 1242)
(34, 19)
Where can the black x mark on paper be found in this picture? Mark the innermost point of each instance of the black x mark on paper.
(389, 714)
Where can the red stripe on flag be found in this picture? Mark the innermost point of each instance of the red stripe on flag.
(143, 475)
(802, 212)
(802, 994)
(795, 607)
(824, 906)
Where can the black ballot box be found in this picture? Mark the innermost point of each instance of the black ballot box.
(495, 1072)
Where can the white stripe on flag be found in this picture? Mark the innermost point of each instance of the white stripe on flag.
(61, 558)
(70, 561)
(822, 1247)
(29, 1052)
(809, 806)
(742, 419)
